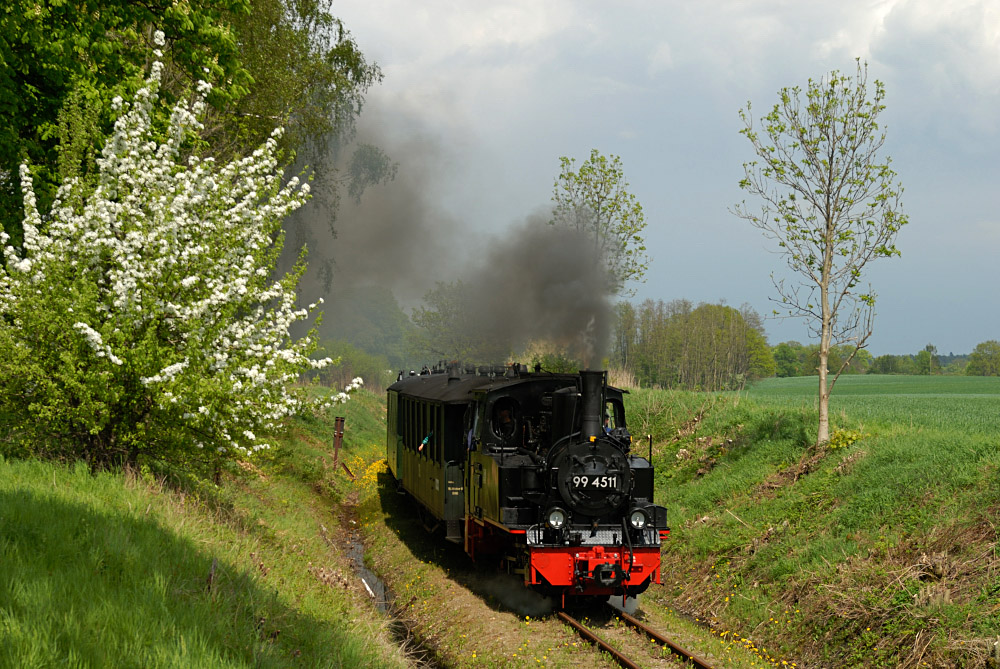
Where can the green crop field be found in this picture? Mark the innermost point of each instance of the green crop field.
(965, 404)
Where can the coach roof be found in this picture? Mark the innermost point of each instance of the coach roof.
(439, 388)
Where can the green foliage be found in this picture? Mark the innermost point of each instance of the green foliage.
(985, 359)
(273, 62)
(926, 361)
(595, 200)
(676, 345)
(787, 360)
(556, 363)
(57, 50)
(893, 364)
(923, 362)
(798, 360)
(844, 438)
(353, 362)
(309, 76)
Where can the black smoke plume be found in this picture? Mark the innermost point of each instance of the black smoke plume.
(532, 282)
(541, 283)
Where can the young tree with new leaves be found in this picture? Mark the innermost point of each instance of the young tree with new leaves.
(140, 320)
(595, 201)
(831, 203)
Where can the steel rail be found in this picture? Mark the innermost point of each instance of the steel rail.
(593, 638)
(659, 638)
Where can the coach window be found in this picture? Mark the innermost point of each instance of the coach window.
(424, 436)
(404, 420)
(414, 424)
(439, 434)
(411, 425)
(504, 417)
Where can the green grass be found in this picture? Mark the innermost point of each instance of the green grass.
(114, 570)
(843, 534)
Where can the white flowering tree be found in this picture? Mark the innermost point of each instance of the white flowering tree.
(140, 319)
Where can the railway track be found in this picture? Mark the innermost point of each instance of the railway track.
(663, 642)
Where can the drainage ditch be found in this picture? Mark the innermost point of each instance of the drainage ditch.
(383, 598)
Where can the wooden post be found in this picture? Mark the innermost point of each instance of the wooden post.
(338, 437)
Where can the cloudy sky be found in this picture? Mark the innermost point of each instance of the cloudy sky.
(497, 91)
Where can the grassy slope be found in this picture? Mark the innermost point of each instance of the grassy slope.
(881, 551)
(113, 570)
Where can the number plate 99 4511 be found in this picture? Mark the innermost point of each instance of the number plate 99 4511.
(595, 481)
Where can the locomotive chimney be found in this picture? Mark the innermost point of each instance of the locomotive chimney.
(593, 402)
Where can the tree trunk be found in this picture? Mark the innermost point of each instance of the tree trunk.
(826, 333)
(823, 433)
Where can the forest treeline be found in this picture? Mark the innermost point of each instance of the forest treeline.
(670, 344)
(679, 345)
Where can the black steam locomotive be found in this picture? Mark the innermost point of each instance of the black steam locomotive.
(533, 469)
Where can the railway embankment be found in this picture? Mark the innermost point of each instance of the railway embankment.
(879, 548)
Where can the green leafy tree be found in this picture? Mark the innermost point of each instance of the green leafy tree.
(97, 49)
(762, 364)
(844, 357)
(352, 363)
(625, 333)
(787, 359)
(893, 364)
(140, 322)
(830, 203)
(595, 200)
(985, 359)
(885, 364)
(310, 76)
(922, 362)
(927, 360)
(274, 62)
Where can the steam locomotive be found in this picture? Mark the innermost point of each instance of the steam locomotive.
(533, 469)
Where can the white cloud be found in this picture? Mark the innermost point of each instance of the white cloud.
(945, 60)
(661, 60)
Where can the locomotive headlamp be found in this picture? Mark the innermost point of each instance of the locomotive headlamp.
(556, 518)
(638, 518)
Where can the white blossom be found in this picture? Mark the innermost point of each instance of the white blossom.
(164, 244)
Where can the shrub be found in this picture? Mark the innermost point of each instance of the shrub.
(140, 318)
